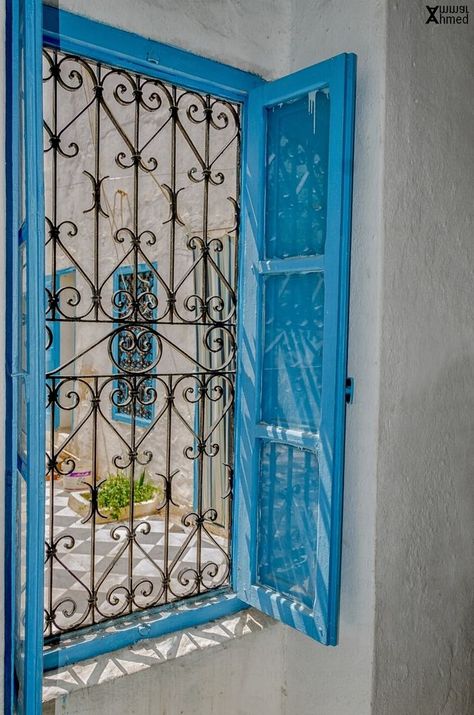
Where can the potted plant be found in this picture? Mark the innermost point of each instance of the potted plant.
(114, 498)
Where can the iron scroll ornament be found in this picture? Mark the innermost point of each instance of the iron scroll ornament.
(141, 129)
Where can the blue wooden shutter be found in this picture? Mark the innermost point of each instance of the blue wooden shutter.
(25, 360)
(296, 214)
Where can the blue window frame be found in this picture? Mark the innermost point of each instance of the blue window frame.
(25, 360)
(122, 407)
(292, 340)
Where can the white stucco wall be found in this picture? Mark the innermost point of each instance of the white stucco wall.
(251, 35)
(425, 525)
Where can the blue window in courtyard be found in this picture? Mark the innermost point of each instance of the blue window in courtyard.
(135, 360)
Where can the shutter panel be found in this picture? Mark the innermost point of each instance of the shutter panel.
(25, 360)
(296, 212)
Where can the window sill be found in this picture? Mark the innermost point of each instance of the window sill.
(60, 683)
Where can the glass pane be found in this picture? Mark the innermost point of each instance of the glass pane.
(293, 349)
(288, 506)
(297, 171)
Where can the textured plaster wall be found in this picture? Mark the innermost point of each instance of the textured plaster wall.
(339, 681)
(425, 526)
(251, 34)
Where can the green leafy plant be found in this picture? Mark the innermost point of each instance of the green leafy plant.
(114, 494)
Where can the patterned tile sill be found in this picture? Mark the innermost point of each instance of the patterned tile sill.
(148, 653)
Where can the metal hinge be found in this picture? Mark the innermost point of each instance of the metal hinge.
(152, 58)
(349, 390)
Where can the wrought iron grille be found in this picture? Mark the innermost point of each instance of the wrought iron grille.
(141, 186)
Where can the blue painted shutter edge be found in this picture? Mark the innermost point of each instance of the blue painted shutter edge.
(33, 234)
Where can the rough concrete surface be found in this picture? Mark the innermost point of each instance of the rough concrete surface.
(425, 527)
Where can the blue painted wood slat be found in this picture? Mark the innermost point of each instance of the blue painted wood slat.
(287, 541)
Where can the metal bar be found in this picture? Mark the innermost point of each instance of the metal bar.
(125, 385)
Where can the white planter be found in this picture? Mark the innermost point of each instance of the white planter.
(80, 503)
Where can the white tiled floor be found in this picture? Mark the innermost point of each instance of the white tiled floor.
(71, 573)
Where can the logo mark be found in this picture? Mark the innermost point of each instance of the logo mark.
(432, 14)
(447, 14)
